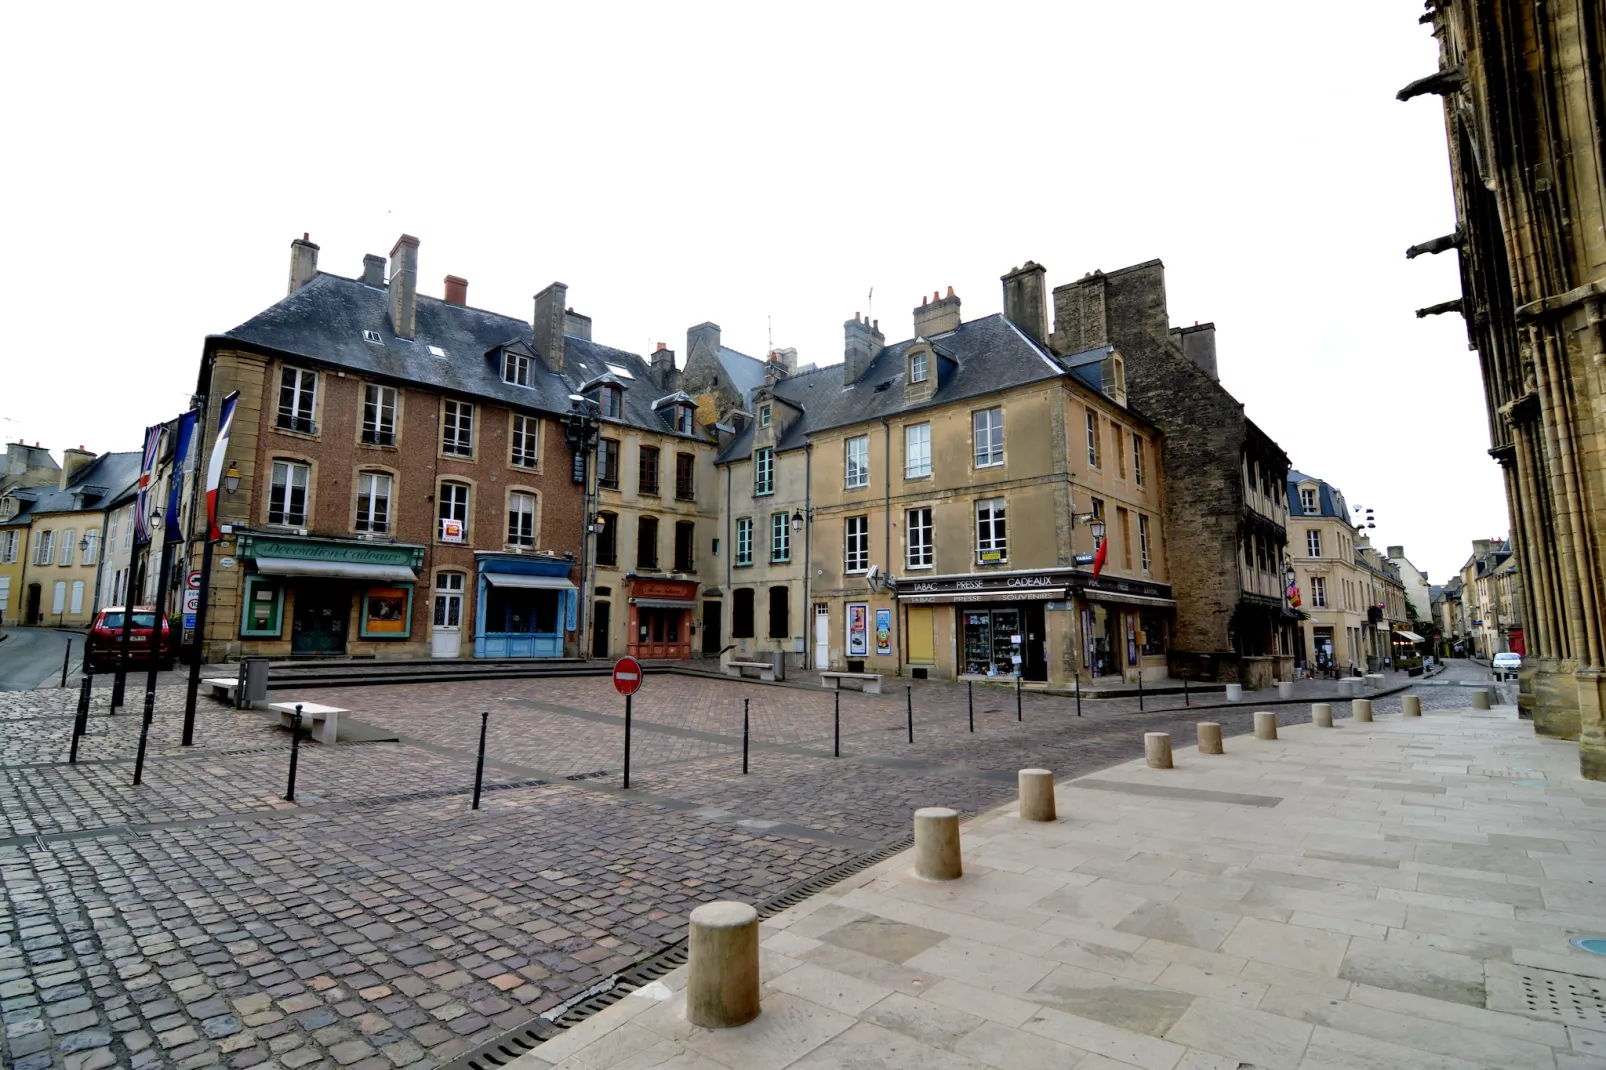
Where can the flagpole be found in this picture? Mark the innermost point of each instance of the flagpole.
(215, 484)
(196, 506)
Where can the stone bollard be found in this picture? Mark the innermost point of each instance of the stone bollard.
(1411, 706)
(1361, 709)
(1036, 795)
(722, 978)
(1265, 725)
(937, 844)
(1346, 687)
(1157, 749)
(1480, 699)
(1210, 738)
(1285, 689)
(1321, 714)
(1235, 692)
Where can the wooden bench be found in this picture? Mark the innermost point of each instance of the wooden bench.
(869, 682)
(766, 671)
(323, 722)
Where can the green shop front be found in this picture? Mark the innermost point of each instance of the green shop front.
(328, 597)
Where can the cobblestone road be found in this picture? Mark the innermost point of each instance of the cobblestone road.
(378, 922)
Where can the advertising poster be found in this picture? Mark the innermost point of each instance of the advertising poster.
(883, 631)
(387, 611)
(858, 629)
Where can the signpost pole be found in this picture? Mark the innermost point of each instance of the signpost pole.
(836, 727)
(194, 683)
(627, 740)
(627, 680)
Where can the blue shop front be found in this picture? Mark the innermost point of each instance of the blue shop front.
(525, 608)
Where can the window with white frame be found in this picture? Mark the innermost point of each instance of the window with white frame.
(764, 471)
(1143, 541)
(128, 529)
(69, 540)
(8, 546)
(763, 416)
(916, 451)
(111, 528)
(613, 402)
(58, 602)
(457, 427)
(373, 502)
(992, 543)
(453, 512)
(1318, 591)
(684, 418)
(525, 440)
(287, 493)
(1313, 543)
(1307, 499)
(1137, 458)
(45, 548)
(92, 551)
(378, 415)
(521, 519)
(298, 392)
(780, 538)
(856, 555)
(858, 460)
(918, 530)
(987, 427)
(515, 368)
(77, 605)
(1093, 454)
(744, 540)
(917, 366)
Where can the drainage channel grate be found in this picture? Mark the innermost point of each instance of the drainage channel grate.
(510, 1045)
(1559, 997)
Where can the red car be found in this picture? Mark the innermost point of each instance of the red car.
(105, 640)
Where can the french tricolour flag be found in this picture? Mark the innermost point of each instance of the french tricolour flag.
(217, 463)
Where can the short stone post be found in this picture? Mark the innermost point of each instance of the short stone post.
(722, 978)
(1157, 749)
(1285, 689)
(937, 844)
(1265, 725)
(1321, 714)
(1235, 692)
(1361, 709)
(1037, 795)
(1411, 706)
(1210, 738)
(1480, 699)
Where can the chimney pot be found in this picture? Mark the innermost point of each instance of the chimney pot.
(950, 291)
(660, 347)
(938, 315)
(456, 290)
(303, 263)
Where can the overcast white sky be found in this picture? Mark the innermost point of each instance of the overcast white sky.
(677, 163)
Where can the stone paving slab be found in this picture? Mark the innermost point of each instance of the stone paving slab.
(1402, 904)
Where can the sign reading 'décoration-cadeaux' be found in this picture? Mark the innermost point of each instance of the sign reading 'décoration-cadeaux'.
(349, 553)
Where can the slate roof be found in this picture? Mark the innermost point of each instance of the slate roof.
(1329, 499)
(981, 357)
(324, 321)
(746, 373)
(97, 485)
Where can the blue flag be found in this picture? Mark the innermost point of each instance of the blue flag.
(175, 480)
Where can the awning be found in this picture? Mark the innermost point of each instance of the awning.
(1412, 636)
(1130, 599)
(519, 579)
(666, 603)
(343, 570)
(1002, 594)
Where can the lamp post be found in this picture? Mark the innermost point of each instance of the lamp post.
(582, 426)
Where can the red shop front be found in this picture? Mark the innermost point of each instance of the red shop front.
(661, 618)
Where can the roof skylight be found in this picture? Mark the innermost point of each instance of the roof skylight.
(373, 336)
(623, 373)
(436, 351)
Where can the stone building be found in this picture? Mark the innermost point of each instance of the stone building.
(1226, 507)
(1521, 87)
(721, 379)
(1388, 626)
(1333, 586)
(1418, 600)
(951, 482)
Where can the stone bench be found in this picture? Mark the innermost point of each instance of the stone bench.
(869, 682)
(322, 722)
(1374, 680)
(765, 670)
(221, 687)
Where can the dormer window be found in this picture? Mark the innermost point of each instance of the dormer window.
(515, 368)
(613, 401)
(917, 366)
(763, 416)
(1307, 499)
(683, 419)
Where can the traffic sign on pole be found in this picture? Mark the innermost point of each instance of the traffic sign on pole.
(627, 676)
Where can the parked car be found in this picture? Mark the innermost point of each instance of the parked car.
(105, 640)
(1506, 666)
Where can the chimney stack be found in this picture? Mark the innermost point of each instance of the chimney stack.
(1026, 301)
(702, 338)
(576, 324)
(456, 290)
(403, 297)
(72, 461)
(664, 370)
(303, 262)
(864, 343)
(937, 316)
(1198, 344)
(550, 306)
(373, 270)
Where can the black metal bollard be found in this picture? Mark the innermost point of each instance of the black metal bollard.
(479, 768)
(836, 727)
(744, 737)
(80, 722)
(1186, 701)
(66, 659)
(627, 741)
(970, 701)
(1140, 689)
(1017, 697)
(295, 754)
(909, 704)
(144, 736)
(1078, 693)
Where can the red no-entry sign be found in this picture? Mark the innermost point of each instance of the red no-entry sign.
(627, 676)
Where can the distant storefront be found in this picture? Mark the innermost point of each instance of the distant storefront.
(526, 606)
(327, 597)
(660, 621)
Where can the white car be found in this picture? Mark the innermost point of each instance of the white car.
(1506, 666)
